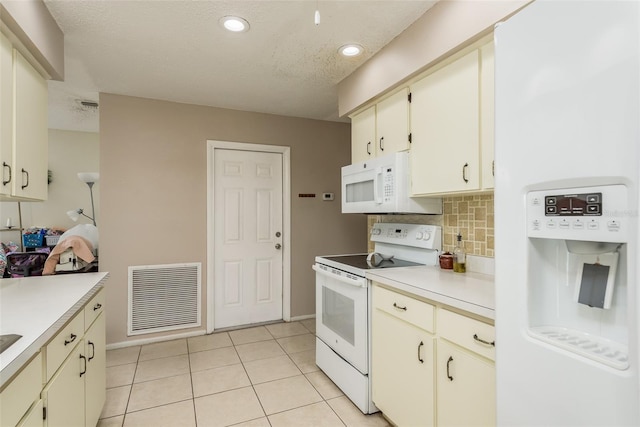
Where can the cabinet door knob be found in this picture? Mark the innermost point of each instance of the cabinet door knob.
(84, 371)
(72, 339)
(399, 307)
(24, 172)
(492, 343)
(449, 363)
(5, 165)
(278, 246)
(464, 172)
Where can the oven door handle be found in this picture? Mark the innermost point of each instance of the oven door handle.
(360, 283)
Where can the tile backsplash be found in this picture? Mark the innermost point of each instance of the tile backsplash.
(472, 216)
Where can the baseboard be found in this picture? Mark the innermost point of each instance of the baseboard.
(152, 340)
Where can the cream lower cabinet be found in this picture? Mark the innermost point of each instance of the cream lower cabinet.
(96, 380)
(64, 394)
(430, 366)
(20, 398)
(76, 392)
(403, 358)
(466, 388)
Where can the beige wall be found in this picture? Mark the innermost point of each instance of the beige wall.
(153, 169)
(31, 22)
(69, 153)
(442, 30)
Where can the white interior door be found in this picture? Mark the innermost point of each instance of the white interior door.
(248, 230)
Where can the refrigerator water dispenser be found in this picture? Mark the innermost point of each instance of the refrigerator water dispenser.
(577, 294)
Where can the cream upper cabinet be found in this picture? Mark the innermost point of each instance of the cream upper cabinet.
(392, 123)
(445, 151)
(6, 115)
(23, 127)
(487, 115)
(403, 355)
(363, 135)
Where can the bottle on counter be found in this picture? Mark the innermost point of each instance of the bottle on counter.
(459, 257)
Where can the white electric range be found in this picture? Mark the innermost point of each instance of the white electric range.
(343, 302)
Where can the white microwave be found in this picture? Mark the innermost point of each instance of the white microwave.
(382, 185)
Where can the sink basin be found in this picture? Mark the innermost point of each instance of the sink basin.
(7, 340)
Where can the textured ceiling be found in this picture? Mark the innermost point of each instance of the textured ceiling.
(177, 51)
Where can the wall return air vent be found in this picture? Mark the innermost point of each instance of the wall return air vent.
(164, 297)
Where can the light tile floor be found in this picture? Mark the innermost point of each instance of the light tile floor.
(260, 376)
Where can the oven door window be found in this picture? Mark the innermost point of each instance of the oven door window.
(338, 314)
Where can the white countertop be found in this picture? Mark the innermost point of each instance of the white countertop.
(36, 308)
(471, 292)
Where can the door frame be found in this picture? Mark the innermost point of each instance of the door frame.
(212, 145)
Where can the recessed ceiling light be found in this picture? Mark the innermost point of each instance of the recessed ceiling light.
(350, 50)
(235, 24)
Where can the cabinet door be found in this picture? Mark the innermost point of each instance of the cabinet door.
(466, 388)
(363, 135)
(64, 395)
(445, 129)
(6, 115)
(402, 371)
(33, 418)
(31, 133)
(95, 380)
(392, 123)
(487, 115)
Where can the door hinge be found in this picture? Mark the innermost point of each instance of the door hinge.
(409, 138)
(44, 413)
(409, 97)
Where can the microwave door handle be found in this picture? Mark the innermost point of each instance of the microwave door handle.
(377, 182)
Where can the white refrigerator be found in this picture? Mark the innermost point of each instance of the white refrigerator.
(567, 151)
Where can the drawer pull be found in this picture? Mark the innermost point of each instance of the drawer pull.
(93, 351)
(73, 338)
(420, 359)
(492, 343)
(85, 365)
(399, 307)
(98, 306)
(448, 363)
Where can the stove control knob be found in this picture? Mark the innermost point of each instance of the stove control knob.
(419, 236)
(426, 236)
(375, 231)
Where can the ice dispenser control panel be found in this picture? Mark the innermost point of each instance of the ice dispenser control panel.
(588, 213)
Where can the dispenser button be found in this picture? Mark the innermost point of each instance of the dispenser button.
(551, 224)
(593, 225)
(613, 225)
(578, 224)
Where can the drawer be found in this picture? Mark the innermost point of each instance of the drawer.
(63, 343)
(93, 309)
(19, 395)
(469, 333)
(409, 309)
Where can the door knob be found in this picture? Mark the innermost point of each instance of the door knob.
(278, 246)
(278, 234)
